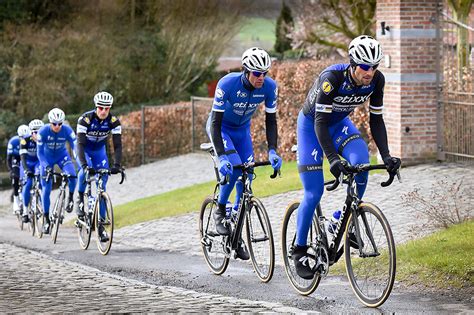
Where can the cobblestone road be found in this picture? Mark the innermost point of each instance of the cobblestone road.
(35, 283)
(176, 233)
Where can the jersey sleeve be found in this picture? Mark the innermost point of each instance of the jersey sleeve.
(376, 99)
(10, 147)
(220, 97)
(23, 147)
(324, 93)
(83, 124)
(116, 127)
(271, 99)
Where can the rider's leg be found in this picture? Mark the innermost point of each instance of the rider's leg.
(15, 176)
(26, 188)
(353, 148)
(67, 166)
(244, 147)
(310, 161)
(81, 185)
(46, 190)
(99, 160)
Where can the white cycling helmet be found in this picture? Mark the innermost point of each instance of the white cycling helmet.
(365, 50)
(103, 99)
(256, 59)
(35, 125)
(56, 115)
(23, 131)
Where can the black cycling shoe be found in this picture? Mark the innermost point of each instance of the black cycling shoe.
(301, 260)
(46, 224)
(241, 251)
(103, 234)
(69, 206)
(222, 227)
(25, 218)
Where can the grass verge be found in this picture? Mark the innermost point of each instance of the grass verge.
(442, 260)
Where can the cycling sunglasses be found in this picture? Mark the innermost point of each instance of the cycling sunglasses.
(368, 67)
(258, 73)
(57, 124)
(102, 108)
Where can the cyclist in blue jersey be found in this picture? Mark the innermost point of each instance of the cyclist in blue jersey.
(93, 128)
(52, 150)
(324, 126)
(30, 165)
(13, 164)
(237, 96)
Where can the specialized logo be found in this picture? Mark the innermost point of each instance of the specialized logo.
(315, 154)
(344, 130)
(276, 92)
(241, 94)
(304, 260)
(250, 158)
(225, 143)
(346, 86)
(327, 87)
(219, 93)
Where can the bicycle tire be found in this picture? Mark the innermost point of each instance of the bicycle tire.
(288, 235)
(38, 215)
(385, 262)
(57, 212)
(257, 217)
(84, 231)
(212, 245)
(31, 220)
(108, 222)
(20, 221)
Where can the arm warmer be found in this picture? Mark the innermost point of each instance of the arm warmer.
(117, 141)
(81, 141)
(272, 130)
(377, 127)
(23, 161)
(216, 136)
(9, 162)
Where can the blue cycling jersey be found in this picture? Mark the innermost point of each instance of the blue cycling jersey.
(97, 130)
(29, 148)
(336, 93)
(14, 146)
(53, 144)
(239, 103)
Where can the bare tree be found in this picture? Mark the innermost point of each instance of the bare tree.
(331, 23)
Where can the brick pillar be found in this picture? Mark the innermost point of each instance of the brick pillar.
(410, 79)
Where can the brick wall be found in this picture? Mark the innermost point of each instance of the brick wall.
(410, 91)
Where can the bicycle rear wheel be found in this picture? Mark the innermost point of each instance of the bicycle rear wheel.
(57, 216)
(84, 229)
(288, 243)
(31, 220)
(38, 216)
(260, 240)
(213, 245)
(371, 270)
(107, 222)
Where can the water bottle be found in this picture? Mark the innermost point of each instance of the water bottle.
(334, 220)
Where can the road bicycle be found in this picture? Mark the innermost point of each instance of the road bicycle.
(92, 218)
(363, 235)
(217, 248)
(56, 217)
(35, 208)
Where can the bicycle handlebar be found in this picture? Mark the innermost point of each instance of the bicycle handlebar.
(332, 184)
(246, 167)
(105, 171)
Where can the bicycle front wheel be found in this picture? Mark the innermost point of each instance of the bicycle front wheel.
(371, 269)
(57, 216)
(31, 220)
(107, 223)
(38, 216)
(213, 245)
(84, 228)
(288, 244)
(260, 240)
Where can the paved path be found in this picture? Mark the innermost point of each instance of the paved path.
(176, 233)
(32, 282)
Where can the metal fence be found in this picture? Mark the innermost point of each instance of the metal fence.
(157, 132)
(456, 99)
